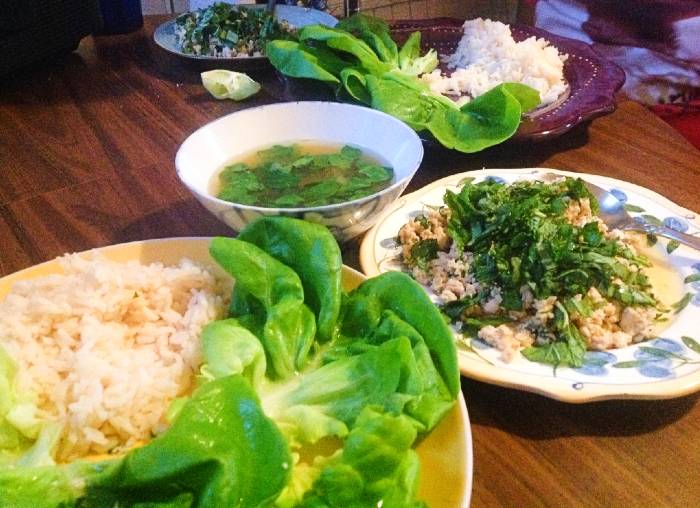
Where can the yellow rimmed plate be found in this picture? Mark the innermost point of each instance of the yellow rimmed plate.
(445, 454)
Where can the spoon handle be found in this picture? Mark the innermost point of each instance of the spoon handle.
(672, 234)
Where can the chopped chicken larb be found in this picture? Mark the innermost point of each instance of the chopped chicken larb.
(579, 212)
(507, 339)
(609, 324)
(432, 226)
(448, 276)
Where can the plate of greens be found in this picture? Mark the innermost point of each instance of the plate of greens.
(591, 80)
(230, 34)
(264, 395)
(361, 62)
(540, 295)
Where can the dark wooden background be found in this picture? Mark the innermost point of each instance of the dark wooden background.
(87, 147)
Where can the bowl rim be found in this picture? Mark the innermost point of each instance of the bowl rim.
(359, 201)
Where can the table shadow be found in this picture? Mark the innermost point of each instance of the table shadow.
(439, 162)
(67, 77)
(182, 218)
(533, 416)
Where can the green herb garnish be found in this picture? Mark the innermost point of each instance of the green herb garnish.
(520, 237)
(226, 30)
(288, 176)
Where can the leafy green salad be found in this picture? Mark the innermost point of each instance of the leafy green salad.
(302, 175)
(528, 266)
(298, 367)
(226, 30)
(360, 60)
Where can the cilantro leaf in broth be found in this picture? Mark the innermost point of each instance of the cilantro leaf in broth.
(375, 172)
(351, 152)
(278, 177)
(279, 153)
(320, 191)
(301, 175)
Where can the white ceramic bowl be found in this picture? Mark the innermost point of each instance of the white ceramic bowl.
(210, 147)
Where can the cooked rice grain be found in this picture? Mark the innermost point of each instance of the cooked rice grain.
(487, 55)
(107, 346)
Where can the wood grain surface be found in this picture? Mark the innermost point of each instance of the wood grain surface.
(87, 147)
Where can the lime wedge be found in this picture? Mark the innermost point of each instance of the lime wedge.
(223, 84)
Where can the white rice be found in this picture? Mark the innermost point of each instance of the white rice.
(105, 347)
(487, 56)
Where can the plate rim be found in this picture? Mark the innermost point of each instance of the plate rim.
(8, 280)
(548, 387)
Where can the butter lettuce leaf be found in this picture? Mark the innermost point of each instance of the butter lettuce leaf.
(374, 32)
(359, 58)
(43, 486)
(274, 291)
(19, 424)
(214, 454)
(228, 349)
(376, 467)
(312, 252)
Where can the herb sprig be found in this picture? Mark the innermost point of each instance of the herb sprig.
(284, 176)
(243, 30)
(520, 237)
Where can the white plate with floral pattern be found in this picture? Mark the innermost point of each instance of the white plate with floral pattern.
(663, 367)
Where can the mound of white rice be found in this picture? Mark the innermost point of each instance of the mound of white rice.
(487, 56)
(106, 347)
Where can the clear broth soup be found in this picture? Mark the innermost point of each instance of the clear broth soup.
(301, 174)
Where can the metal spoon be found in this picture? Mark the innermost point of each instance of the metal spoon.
(614, 215)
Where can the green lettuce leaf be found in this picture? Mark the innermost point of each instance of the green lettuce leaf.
(43, 486)
(397, 292)
(375, 32)
(410, 61)
(312, 252)
(300, 60)
(376, 467)
(19, 425)
(327, 400)
(215, 453)
(340, 40)
(228, 349)
(289, 326)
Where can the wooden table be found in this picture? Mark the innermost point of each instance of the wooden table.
(87, 146)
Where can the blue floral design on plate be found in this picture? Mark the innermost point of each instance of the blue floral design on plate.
(655, 370)
(653, 365)
(620, 195)
(696, 267)
(496, 179)
(669, 345)
(677, 224)
(645, 357)
(696, 299)
(595, 363)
